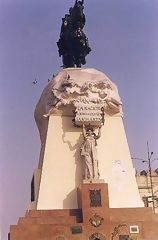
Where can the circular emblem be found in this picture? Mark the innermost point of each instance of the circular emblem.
(96, 220)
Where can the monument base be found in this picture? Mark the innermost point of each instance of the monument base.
(93, 220)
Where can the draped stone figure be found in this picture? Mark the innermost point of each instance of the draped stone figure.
(89, 153)
(73, 44)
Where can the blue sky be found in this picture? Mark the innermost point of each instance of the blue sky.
(124, 40)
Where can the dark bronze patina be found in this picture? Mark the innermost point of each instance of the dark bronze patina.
(73, 44)
(95, 198)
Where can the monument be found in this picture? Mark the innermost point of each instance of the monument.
(73, 44)
(85, 186)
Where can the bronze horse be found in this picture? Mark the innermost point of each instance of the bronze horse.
(73, 44)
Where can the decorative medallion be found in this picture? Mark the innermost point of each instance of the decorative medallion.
(96, 220)
(95, 198)
(97, 236)
(119, 231)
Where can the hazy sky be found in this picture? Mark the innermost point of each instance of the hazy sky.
(124, 40)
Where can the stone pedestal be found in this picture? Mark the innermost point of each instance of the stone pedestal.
(91, 209)
(93, 220)
(94, 201)
(93, 197)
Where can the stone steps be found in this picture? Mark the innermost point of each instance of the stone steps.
(49, 220)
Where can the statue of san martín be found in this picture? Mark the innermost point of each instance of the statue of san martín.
(73, 44)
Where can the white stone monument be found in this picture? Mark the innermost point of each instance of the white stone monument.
(74, 101)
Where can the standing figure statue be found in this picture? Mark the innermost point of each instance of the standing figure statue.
(73, 44)
(89, 153)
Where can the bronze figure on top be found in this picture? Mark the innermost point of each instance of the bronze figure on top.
(73, 44)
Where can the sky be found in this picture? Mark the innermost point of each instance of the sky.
(124, 40)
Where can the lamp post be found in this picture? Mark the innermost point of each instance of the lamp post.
(150, 176)
(149, 162)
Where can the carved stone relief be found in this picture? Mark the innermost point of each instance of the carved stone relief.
(119, 230)
(97, 236)
(88, 153)
(85, 86)
(96, 220)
